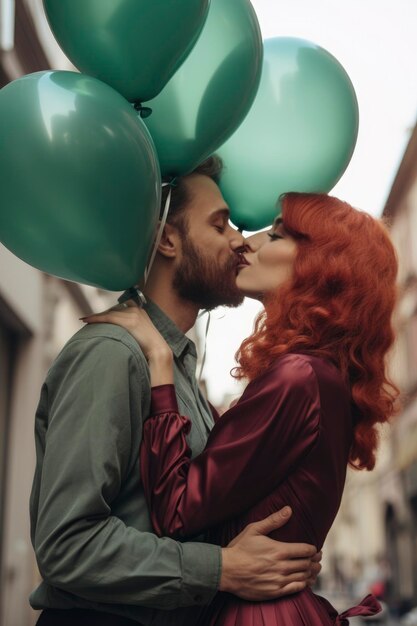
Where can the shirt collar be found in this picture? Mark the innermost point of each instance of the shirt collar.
(175, 338)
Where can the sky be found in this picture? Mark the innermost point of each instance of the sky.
(376, 42)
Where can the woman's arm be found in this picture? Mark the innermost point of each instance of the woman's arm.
(251, 449)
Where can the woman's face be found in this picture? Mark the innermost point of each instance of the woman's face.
(268, 263)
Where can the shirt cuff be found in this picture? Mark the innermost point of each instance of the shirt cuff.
(163, 400)
(202, 569)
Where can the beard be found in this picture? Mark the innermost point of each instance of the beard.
(206, 282)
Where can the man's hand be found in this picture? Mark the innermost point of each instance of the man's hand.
(256, 567)
(315, 568)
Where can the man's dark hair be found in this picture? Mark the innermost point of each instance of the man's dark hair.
(180, 195)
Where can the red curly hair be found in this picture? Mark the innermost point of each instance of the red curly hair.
(338, 305)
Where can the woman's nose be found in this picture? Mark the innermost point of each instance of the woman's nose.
(254, 242)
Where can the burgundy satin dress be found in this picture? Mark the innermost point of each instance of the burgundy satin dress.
(286, 442)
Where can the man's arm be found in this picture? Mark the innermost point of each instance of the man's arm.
(268, 568)
(90, 398)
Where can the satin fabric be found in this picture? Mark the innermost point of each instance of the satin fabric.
(286, 442)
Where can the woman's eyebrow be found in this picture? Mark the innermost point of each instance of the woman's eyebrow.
(277, 222)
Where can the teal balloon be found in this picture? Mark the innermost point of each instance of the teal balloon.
(299, 135)
(133, 45)
(212, 92)
(79, 177)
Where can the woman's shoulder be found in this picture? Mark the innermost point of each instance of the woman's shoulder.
(298, 369)
(301, 376)
(292, 373)
(299, 362)
(302, 363)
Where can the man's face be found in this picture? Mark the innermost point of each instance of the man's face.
(207, 267)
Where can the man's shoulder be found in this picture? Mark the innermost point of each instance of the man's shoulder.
(104, 340)
(106, 331)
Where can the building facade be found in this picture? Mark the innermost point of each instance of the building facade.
(400, 499)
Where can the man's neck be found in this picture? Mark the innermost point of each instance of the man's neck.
(182, 312)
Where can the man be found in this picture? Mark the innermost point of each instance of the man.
(100, 561)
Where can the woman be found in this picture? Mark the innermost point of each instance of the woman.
(317, 391)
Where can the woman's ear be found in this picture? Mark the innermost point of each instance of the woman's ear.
(169, 245)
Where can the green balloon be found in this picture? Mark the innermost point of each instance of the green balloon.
(299, 135)
(79, 177)
(133, 45)
(212, 92)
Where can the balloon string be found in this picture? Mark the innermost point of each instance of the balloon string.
(203, 362)
(159, 232)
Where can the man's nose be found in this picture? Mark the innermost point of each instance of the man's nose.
(237, 241)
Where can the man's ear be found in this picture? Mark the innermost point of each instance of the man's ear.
(169, 245)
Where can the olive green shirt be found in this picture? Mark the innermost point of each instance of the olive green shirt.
(91, 529)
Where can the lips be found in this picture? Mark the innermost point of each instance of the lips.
(242, 262)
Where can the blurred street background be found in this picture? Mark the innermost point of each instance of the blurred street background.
(373, 544)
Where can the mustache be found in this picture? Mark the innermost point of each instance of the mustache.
(233, 262)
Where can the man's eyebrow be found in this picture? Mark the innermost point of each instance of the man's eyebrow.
(223, 212)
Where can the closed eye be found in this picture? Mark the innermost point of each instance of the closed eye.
(274, 236)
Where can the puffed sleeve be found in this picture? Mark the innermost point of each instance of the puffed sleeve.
(250, 450)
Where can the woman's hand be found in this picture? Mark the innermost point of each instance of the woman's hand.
(138, 323)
